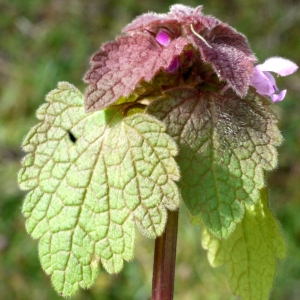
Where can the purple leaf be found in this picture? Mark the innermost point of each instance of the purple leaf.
(178, 14)
(229, 54)
(120, 66)
(163, 42)
(146, 21)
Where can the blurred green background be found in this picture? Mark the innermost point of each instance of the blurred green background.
(46, 41)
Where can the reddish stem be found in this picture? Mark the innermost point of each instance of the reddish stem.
(164, 260)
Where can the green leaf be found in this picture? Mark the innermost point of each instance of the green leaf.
(93, 177)
(250, 252)
(225, 143)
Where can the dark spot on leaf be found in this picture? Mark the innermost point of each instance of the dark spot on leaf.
(72, 137)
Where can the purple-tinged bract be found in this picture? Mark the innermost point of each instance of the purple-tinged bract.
(156, 44)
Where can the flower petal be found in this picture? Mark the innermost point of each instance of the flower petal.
(174, 65)
(163, 38)
(262, 82)
(278, 97)
(279, 65)
(272, 81)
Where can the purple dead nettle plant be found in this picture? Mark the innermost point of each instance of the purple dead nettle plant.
(178, 84)
(185, 55)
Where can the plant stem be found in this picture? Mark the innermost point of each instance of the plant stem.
(164, 260)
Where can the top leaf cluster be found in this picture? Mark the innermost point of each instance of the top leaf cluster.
(121, 67)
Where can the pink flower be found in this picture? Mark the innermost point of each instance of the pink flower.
(163, 38)
(264, 81)
(172, 69)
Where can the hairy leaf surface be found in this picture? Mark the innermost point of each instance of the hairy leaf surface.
(225, 49)
(93, 177)
(225, 144)
(120, 66)
(250, 252)
(136, 58)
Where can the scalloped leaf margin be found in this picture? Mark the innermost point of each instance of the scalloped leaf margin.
(92, 178)
(225, 144)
